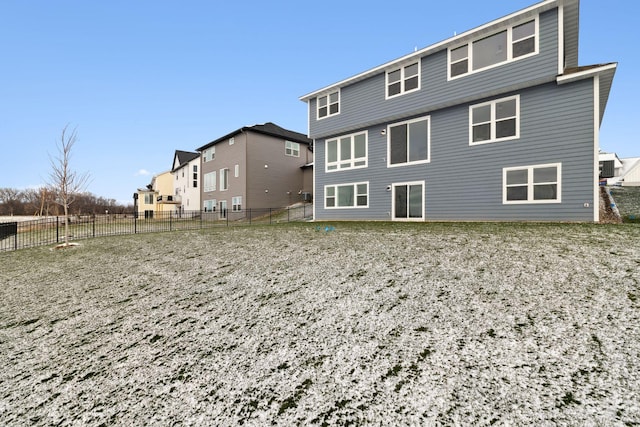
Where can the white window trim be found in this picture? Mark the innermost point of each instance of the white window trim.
(493, 121)
(222, 180)
(211, 150)
(509, 59)
(402, 79)
(236, 171)
(234, 203)
(407, 122)
(212, 186)
(393, 201)
(530, 184)
(212, 202)
(288, 145)
(355, 195)
(353, 159)
(329, 114)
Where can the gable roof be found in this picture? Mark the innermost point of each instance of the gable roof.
(270, 129)
(183, 158)
(570, 26)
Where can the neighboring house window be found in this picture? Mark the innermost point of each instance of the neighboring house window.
(403, 80)
(195, 176)
(210, 205)
(346, 152)
(236, 171)
(224, 179)
(408, 142)
(292, 149)
(209, 154)
(408, 201)
(232, 141)
(210, 181)
(532, 184)
(354, 195)
(148, 199)
(329, 105)
(493, 121)
(236, 204)
(508, 45)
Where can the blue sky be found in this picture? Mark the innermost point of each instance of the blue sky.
(140, 79)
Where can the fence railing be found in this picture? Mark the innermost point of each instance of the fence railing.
(51, 230)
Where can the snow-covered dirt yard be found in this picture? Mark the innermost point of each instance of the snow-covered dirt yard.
(365, 324)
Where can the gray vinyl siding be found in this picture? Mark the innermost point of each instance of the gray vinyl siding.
(363, 104)
(464, 182)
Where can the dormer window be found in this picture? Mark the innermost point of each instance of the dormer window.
(508, 45)
(329, 105)
(403, 80)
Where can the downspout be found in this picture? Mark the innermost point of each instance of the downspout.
(596, 147)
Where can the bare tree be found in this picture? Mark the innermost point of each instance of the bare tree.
(64, 181)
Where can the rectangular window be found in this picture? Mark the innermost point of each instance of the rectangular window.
(209, 154)
(291, 149)
(346, 152)
(510, 44)
(408, 201)
(236, 204)
(236, 171)
(148, 199)
(232, 141)
(408, 142)
(354, 195)
(195, 184)
(224, 179)
(210, 181)
(329, 105)
(209, 205)
(403, 80)
(195, 168)
(493, 121)
(532, 184)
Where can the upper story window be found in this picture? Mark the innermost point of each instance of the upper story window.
(329, 105)
(510, 44)
(232, 141)
(346, 152)
(403, 80)
(532, 184)
(497, 120)
(209, 154)
(408, 142)
(148, 199)
(291, 149)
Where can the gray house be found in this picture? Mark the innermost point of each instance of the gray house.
(497, 123)
(254, 167)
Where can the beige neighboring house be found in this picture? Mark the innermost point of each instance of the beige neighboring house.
(158, 197)
(255, 167)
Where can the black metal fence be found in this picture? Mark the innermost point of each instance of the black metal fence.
(51, 230)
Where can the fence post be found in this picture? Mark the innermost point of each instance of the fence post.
(170, 216)
(57, 230)
(249, 215)
(135, 224)
(269, 216)
(94, 226)
(288, 215)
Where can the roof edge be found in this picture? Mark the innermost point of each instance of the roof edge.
(541, 7)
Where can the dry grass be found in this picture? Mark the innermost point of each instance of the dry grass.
(365, 324)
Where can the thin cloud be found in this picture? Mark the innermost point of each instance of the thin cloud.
(142, 172)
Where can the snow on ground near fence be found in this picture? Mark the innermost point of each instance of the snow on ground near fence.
(459, 324)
